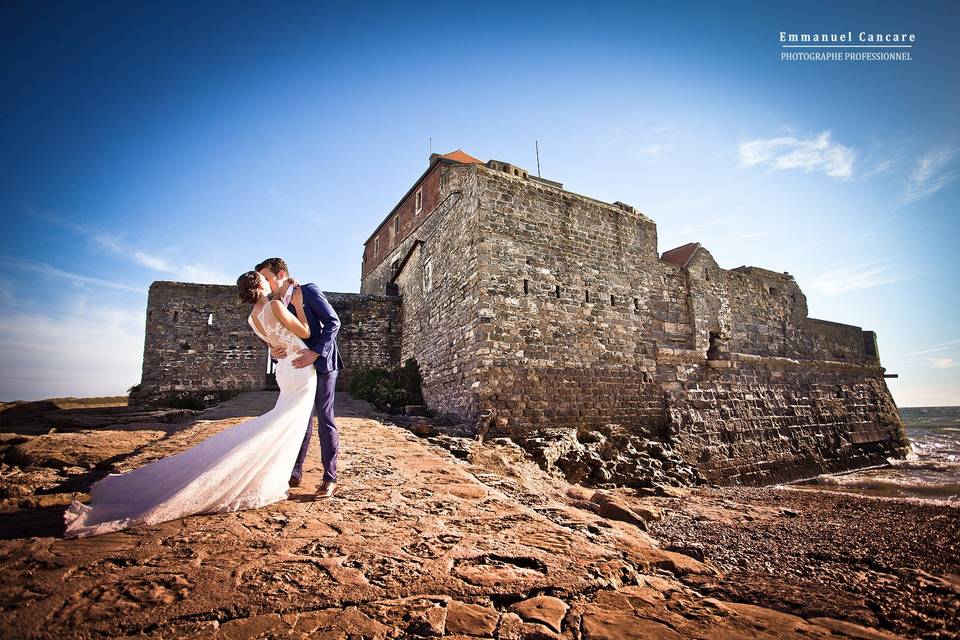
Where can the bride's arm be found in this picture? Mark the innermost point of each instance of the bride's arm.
(297, 301)
(300, 328)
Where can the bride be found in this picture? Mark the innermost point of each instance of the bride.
(243, 467)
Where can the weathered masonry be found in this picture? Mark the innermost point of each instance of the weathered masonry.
(550, 317)
(533, 310)
(198, 341)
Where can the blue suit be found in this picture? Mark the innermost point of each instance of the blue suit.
(324, 326)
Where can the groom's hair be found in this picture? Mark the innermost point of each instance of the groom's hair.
(275, 265)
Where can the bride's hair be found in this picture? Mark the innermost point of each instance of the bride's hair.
(248, 286)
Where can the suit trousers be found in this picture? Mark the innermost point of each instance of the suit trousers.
(326, 428)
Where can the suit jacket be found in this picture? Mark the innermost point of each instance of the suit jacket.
(324, 326)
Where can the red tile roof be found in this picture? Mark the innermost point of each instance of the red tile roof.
(460, 156)
(680, 255)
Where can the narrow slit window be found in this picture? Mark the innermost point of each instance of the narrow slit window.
(526, 287)
(209, 319)
(418, 199)
(613, 300)
(428, 276)
(636, 304)
(558, 291)
(587, 292)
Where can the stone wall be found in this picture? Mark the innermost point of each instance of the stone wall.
(370, 330)
(574, 309)
(583, 329)
(762, 420)
(438, 282)
(198, 341)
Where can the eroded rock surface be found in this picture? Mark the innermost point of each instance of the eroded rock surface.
(416, 543)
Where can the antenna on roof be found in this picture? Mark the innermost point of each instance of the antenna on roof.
(431, 146)
(537, 144)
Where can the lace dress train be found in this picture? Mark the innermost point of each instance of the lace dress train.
(244, 466)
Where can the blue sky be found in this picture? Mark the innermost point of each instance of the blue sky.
(158, 141)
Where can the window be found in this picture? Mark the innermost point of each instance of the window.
(526, 287)
(418, 200)
(428, 275)
(209, 319)
(396, 226)
(376, 246)
(394, 267)
(176, 316)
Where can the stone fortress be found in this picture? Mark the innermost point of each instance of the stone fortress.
(549, 317)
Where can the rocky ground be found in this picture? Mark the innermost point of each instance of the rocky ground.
(433, 535)
(882, 562)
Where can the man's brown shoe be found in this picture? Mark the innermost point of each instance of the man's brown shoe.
(294, 482)
(326, 489)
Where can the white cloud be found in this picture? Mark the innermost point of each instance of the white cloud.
(648, 141)
(84, 353)
(845, 276)
(152, 262)
(788, 152)
(942, 347)
(934, 170)
(185, 271)
(943, 363)
(76, 278)
(653, 153)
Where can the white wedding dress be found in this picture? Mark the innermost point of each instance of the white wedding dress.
(243, 467)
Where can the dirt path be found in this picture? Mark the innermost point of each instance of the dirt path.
(416, 543)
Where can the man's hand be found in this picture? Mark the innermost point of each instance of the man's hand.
(278, 353)
(305, 359)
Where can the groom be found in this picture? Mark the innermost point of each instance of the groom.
(322, 353)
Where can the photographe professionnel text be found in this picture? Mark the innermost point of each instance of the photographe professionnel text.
(846, 46)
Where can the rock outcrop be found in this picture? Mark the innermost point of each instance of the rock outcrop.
(417, 543)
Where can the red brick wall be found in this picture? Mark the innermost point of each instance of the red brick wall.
(409, 221)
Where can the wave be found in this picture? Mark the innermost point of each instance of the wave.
(888, 487)
(931, 473)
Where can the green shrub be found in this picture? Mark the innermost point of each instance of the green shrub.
(388, 388)
(195, 400)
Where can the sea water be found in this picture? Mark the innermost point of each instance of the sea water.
(930, 473)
